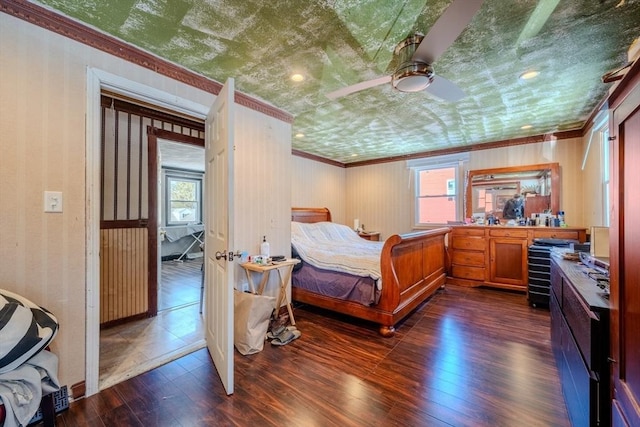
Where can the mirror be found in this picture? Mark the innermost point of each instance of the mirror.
(489, 190)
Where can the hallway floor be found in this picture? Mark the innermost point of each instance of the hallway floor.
(132, 348)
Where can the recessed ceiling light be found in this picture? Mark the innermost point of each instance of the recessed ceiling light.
(527, 75)
(297, 77)
(299, 135)
(525, 127)
(354, 155)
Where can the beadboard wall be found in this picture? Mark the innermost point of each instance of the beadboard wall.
(380, 196)
(43, 82)
(262, 195)
(319, 185)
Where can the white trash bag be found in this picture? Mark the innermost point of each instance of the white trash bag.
(251, 321)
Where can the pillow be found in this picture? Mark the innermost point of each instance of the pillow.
(25, 330)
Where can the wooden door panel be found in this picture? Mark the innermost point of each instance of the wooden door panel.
(625, 252)
(630, 277)
(508, 260)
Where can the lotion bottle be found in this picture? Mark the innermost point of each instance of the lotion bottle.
(264, 247)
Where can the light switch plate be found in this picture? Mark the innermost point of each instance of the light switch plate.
(53, 201)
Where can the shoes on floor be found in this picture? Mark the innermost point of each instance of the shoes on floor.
(277, 331)
(286, 336)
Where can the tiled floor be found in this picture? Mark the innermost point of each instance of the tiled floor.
(135, 347)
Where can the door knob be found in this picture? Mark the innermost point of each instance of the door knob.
(231, 254)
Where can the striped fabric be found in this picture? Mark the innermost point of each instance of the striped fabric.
(25, 329)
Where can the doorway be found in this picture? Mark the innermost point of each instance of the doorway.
(180, 222)
(98, 81)
(136, 332)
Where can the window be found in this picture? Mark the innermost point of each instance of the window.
(436, 202)
(438, 189)
(183, 197)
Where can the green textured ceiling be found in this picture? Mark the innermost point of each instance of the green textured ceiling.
(337, 43)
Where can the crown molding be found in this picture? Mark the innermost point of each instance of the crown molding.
(316, 158)
(476, 147)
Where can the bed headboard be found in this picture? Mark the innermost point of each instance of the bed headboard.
(310, 214)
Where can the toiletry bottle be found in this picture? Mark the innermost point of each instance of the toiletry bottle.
(264, 247)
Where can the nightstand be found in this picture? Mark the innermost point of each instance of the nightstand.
(374, 236)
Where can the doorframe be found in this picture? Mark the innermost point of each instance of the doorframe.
(97, 80)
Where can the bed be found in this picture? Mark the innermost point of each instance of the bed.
(412, 267)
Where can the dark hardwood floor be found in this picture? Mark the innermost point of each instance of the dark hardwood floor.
(468, 357)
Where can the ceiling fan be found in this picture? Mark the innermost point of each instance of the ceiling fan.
(416, 53)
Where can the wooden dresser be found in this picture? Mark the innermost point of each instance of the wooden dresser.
(497, 255)
(580, 341)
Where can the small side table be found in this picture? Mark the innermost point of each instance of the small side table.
(374, 236)
(285, 266)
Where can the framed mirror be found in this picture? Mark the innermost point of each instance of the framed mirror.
(489, 190)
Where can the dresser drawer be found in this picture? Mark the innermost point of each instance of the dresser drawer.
(471, 273)
(475, 259)
(469, 243)
(556, 234)
(509, 232)
(579, 319)
(462, 231)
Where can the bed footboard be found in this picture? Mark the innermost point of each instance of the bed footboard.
(413, 268)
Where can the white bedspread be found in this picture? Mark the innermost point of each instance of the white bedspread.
(337, 247)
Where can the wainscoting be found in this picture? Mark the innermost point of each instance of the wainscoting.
(124, 285)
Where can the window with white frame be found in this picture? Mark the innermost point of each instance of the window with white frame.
(183, 198)
(438, 189)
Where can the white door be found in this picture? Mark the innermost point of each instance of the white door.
(219, 234)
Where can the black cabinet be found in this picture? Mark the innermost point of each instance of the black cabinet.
(539, 264)
(580, 341)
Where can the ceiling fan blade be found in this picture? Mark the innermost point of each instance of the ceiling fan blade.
(445, 89)
(446, 30)
(358, 87)
(538, 18)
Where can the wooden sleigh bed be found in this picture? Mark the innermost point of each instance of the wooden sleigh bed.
(412, 266)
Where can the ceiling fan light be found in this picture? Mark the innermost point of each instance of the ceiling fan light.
(412, 77)
(412, 83)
